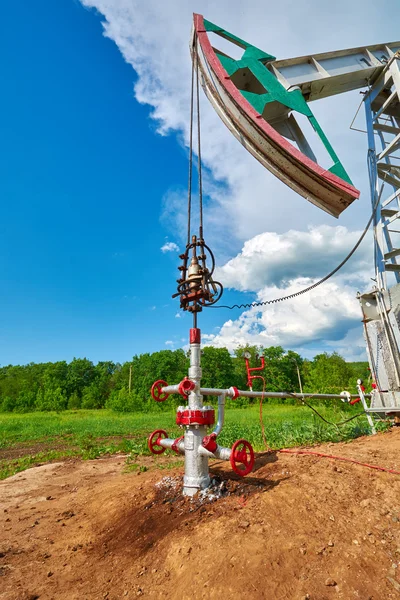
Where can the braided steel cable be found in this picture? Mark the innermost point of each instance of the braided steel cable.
(190, 157)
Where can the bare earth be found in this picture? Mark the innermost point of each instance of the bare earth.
(299, 527)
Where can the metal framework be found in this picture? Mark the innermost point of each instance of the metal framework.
(381, 306)
(257, 97)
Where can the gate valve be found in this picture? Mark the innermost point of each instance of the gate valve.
(174, 446)
(153, 441)
(185, 387)
(210, 442)
(242, 457)
(156, 391)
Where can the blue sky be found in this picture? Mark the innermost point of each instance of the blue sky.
(93, 183)
(82, 177)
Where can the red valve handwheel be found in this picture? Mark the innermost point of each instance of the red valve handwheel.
(156, 391)
(153, 439)
(242, 457)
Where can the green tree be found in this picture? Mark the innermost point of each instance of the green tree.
(51, 398)
(123, 401)
(218, 368)
(327, 374)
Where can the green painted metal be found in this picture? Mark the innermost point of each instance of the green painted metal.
(254, 60)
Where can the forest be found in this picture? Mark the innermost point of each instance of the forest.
(82, 384)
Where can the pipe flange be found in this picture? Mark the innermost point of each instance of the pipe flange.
(200, 416)
(175, 444)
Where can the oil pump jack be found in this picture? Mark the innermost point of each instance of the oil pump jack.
(258, 98)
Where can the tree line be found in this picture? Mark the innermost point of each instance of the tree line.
(126, 387)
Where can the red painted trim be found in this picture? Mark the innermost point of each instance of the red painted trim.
(195, 336)
(195, 416)
(261, 123)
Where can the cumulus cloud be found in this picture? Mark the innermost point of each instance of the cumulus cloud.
(242, 199)
(273, 258)
(327, 317)
(169, 247)
(169, 343)
(326, 313)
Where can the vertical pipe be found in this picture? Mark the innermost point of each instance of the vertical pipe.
(365, 406)
(196, 464)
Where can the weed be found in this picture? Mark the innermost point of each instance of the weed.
(89, 434)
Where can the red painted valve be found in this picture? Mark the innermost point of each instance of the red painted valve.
(156, 391)
(153, 441)
(242, 457)
(186, 386)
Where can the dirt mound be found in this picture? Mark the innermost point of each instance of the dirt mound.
(300, 527)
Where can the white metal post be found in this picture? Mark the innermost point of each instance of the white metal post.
(196, 463)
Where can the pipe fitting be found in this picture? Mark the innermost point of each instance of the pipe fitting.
(186, 386)
(210, 442)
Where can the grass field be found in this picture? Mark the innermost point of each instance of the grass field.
(29, 439)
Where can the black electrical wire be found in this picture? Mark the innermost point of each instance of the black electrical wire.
(317, 283)
(337, 424)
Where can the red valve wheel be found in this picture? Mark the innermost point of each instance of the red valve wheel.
(242, 457)
(153, 439)
(156, 391)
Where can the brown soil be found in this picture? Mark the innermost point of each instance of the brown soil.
(299, 527)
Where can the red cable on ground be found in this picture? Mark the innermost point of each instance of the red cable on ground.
(343, 458)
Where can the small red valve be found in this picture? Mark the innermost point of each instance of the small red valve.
(175, 445)
(242, 457)
(210, 442)
(153, 441)
(156, 391)
(185, 387)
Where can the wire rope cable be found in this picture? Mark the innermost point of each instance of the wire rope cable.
(190, 156)
(199, 148)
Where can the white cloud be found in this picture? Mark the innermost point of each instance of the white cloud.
(169, 247)
(169, 343)
(178, 316)
(273, 258)
(275, 265)
(153, 38)
(326, 313)
(242, 199)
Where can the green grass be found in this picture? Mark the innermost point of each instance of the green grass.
(41, 437)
